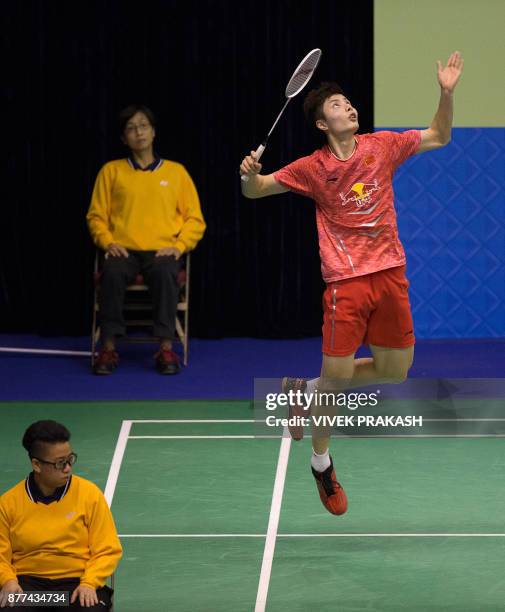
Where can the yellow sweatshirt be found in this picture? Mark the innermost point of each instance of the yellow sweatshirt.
(72, 538)
(145, 211)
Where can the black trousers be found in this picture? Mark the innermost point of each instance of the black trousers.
(34, 583)
(160, 274)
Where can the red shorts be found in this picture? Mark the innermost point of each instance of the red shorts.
(369, 309)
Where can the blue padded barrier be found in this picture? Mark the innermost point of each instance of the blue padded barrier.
(451, 217)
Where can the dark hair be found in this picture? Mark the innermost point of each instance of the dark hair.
(314, 100)
(127, 113)
(49, 432)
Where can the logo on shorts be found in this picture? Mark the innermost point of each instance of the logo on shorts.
(360, 194)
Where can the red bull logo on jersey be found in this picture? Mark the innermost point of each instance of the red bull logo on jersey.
(360, 194)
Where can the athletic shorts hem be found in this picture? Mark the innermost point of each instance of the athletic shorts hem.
(340, 352)
(393, 345)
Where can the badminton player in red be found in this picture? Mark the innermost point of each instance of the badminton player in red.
(362, 259)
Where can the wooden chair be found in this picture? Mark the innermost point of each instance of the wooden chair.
(137, 309)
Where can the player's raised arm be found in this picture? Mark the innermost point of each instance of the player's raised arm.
(258, 185)
(439, 132)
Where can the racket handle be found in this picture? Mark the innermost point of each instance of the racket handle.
(259, 153)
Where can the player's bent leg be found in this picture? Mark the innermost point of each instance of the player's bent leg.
(388, 365)
(392, 365)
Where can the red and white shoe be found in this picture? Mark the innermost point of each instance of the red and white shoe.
(330, 490)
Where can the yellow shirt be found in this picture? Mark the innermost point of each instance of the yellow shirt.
(145, 211)
(72, 538)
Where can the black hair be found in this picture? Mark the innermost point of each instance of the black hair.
(49, 432)
(127, 113)
(314, 100)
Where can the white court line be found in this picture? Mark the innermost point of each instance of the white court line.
(4, 349)
(189, 437)
(406, 436)
(194, 421)
(391, 535)
(342, 437)
(459, 420)
(313, 535)
(262, 420)
(192, 535)
(273, 523)
(117, 459)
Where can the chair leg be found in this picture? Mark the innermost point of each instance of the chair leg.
(95, 331)
(180, 334)
(186, 312)
(185, 339)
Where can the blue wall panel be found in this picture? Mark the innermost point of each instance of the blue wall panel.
(451, 216)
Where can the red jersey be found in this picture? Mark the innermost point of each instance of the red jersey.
(355, 213)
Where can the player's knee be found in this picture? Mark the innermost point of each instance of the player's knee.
(335, 381)
(395, 373)
(399, 377)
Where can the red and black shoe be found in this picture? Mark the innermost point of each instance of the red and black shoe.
(106, 362)
(167, 362)
(330, 490)
(296, 412)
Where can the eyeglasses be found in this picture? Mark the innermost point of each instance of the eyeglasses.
(60, 465)
(141, 127)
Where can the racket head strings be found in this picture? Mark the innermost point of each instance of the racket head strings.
(303, 73)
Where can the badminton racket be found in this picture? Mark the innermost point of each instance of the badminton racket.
(301, 76)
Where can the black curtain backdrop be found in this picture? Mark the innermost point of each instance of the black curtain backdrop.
(214, 72)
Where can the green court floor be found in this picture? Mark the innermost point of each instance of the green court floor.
(193, 506)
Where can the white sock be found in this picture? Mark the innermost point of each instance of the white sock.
(312, 385)
(320, 462)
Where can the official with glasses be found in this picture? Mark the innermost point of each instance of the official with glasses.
(58, 541)
(144, 215)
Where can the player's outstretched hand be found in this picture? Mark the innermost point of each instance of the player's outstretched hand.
(448, 77)
(250, 166)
